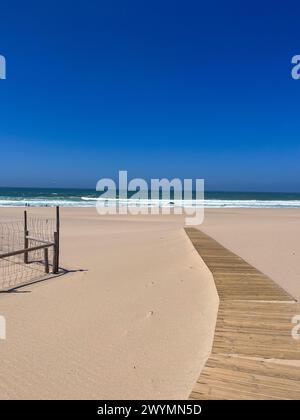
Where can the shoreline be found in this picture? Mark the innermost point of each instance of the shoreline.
(168, 205)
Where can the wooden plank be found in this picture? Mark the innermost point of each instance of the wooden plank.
(22, 251)
(253, 329)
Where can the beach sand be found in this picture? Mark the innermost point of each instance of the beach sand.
(269, 239)
(136, 323)
(135, 319)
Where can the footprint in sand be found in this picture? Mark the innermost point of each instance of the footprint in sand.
(148, 315)
(150, 284)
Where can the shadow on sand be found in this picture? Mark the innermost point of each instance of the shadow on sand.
(16, 288)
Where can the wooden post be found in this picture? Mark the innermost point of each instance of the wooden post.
(55, 253)
(57, 219)
(25, 237)
(46, 258)
(56, 240)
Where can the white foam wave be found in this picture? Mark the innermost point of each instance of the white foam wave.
(92, 201)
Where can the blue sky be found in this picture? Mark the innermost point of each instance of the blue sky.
(160, 88)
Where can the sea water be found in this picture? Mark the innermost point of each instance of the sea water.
(71, 197)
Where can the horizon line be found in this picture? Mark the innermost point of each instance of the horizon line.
(205, 191)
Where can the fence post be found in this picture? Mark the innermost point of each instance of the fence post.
(55, 253)
(46, 258)
(25, 237)
(56, 243)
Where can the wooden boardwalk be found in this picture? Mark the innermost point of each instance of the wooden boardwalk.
(254, 355)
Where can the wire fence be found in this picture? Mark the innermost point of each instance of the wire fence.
(29, 250)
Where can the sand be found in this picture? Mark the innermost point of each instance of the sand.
(269, 239)
(135, 318)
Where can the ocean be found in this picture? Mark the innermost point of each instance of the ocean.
(69, 197)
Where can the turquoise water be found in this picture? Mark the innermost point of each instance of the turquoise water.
(67, 197)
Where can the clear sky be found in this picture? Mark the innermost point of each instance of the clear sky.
(160, 88)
